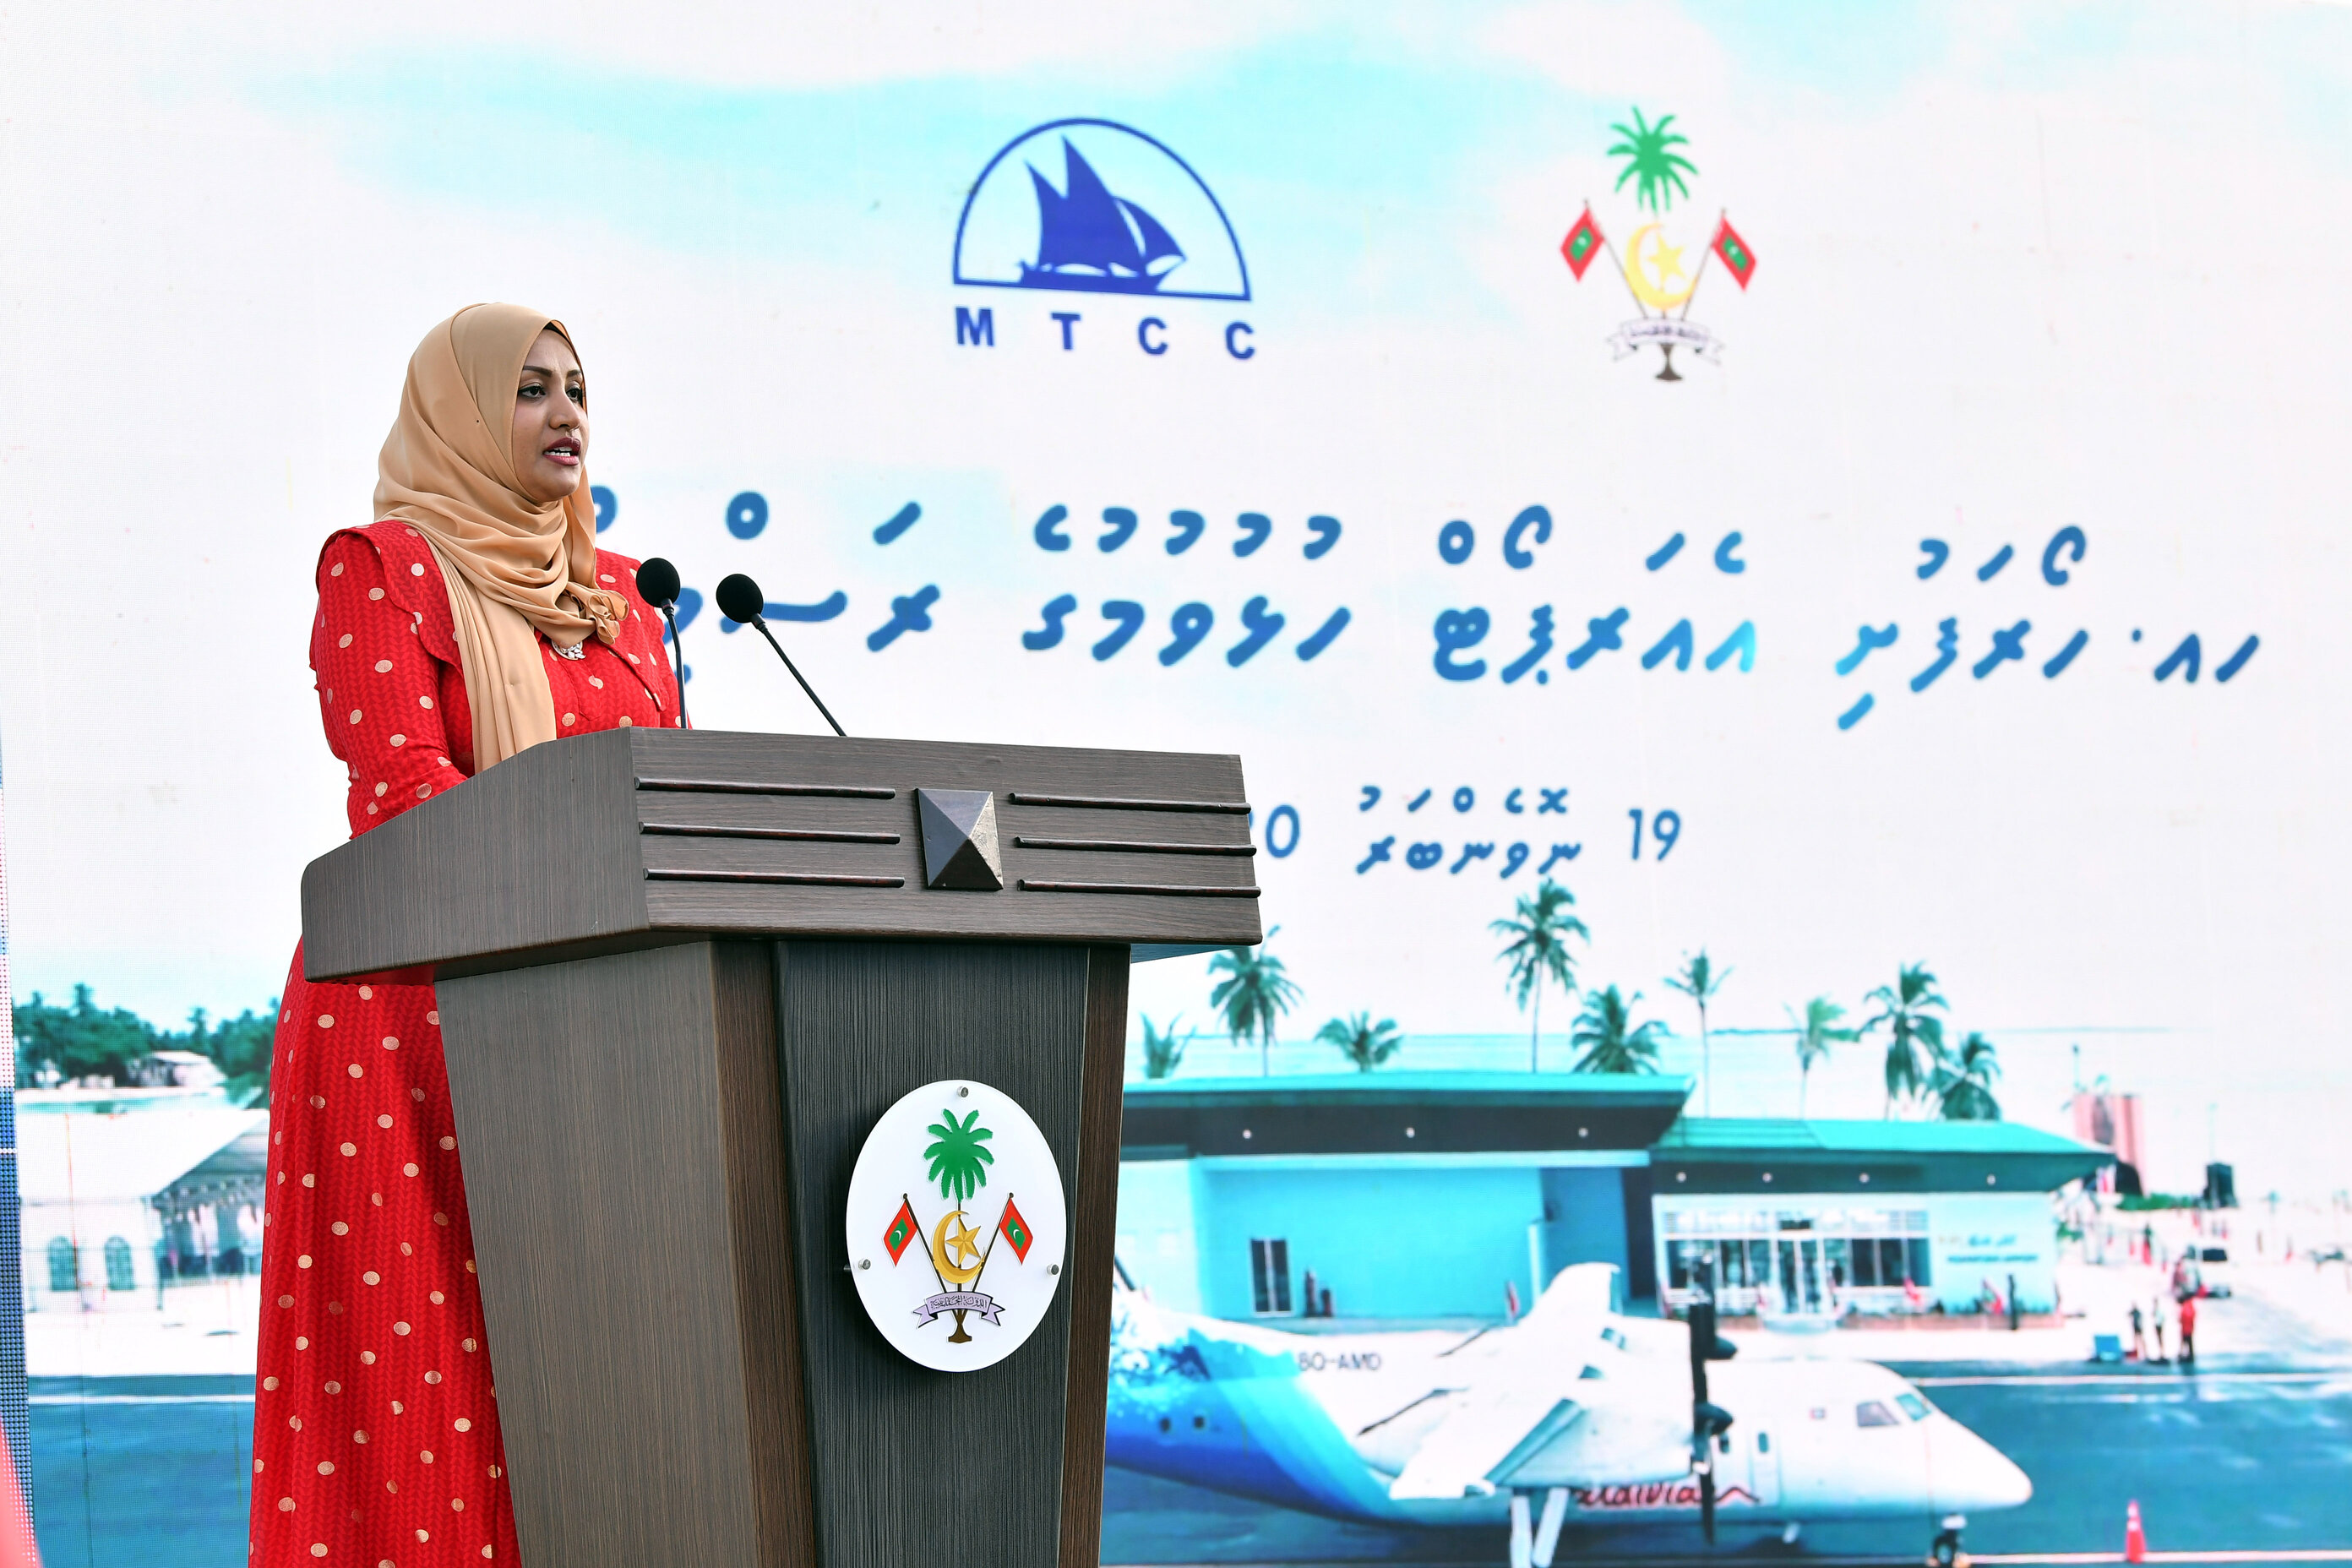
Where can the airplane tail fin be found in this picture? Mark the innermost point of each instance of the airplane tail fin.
(1581, 1291)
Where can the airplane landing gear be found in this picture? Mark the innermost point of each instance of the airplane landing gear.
(1533, 1541)
(1946, 1552)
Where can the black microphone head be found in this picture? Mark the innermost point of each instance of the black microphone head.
(739, 599)
(658, 581)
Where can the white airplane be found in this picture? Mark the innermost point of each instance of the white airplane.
(1577, 1414)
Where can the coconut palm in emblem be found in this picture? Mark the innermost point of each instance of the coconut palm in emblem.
(1652, 161)
(958, 1160)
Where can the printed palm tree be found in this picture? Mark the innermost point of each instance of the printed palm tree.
(957, 1159)
(1254, 996)
(1963, 1081)
(1652, 161)
(1362, 1041)
(1610, 1040)
(1539, 931)
(1914, 1042)
(1700, 980)
(1816, 1032)
(1161, 1049)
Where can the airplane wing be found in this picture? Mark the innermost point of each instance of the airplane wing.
(1532, 1438)
(1633, 1437)
(1473, 1439)
(1538, 1412)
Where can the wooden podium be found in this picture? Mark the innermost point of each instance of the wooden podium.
(680, 975)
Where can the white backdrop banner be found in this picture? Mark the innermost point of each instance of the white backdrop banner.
(1804, 481)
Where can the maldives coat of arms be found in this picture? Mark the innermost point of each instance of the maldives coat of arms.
(956, 1226)
(1662, 282)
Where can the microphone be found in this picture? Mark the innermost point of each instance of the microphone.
(657, 582)
(741, 601)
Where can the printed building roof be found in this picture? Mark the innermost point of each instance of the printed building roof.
(1760, 1155)
(1400, 1113)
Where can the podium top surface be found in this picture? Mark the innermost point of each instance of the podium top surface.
(635, 837)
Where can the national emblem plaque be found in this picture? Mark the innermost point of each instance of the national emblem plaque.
(956, 1226)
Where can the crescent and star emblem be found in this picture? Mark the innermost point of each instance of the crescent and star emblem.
(1649, 272)
(955, 1252)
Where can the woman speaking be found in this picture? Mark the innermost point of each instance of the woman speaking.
(473, 618)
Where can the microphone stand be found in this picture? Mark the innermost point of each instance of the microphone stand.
(761, 622)
(669, 614)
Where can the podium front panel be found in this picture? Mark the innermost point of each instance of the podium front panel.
(915, 1466)
(657, 1147)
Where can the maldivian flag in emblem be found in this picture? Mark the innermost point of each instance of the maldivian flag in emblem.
(1582, 241)
(902, 1231)
(1015, 1231)
(1734, 252)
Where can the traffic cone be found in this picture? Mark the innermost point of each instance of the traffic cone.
(2135, 1538)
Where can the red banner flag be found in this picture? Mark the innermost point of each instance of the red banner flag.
(903, 1230)
(1582, 242)
(1734, 252)
(1015, 1230)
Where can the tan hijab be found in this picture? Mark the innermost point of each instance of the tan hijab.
(514, 567)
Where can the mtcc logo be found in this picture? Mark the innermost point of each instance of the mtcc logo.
(1090, 206)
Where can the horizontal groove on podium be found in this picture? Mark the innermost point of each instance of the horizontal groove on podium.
(811, 835)
(1138, 846)
(1114, 803)
(723, 786)
(1165, 889)
(794, 879)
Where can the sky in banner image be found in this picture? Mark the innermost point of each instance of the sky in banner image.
(1900, 530)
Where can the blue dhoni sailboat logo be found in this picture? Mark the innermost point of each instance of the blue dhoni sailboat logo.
(1126, 217)
(1088, 239)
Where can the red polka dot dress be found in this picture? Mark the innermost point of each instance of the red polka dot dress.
(375, 1422)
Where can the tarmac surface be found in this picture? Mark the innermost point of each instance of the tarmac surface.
(2247, 1458)
(143, 1472)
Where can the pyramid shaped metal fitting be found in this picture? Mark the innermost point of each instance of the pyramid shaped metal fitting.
(960, 839)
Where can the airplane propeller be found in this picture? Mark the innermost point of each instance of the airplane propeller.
(1708, 1421)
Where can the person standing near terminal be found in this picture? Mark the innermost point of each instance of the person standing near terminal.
(2139, 1336)
(474, 617)
(2189, 1331)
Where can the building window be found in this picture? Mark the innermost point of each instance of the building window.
(63, 1265)
(1797, 1259)
(1270, 1276)
(118, 1265)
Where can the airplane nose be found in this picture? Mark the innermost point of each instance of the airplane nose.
(1969, 1474)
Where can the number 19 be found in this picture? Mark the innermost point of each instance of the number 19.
(1665, 828)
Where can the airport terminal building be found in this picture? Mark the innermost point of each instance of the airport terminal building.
(1417, 1197)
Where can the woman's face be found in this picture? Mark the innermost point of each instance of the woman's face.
(551, 421)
